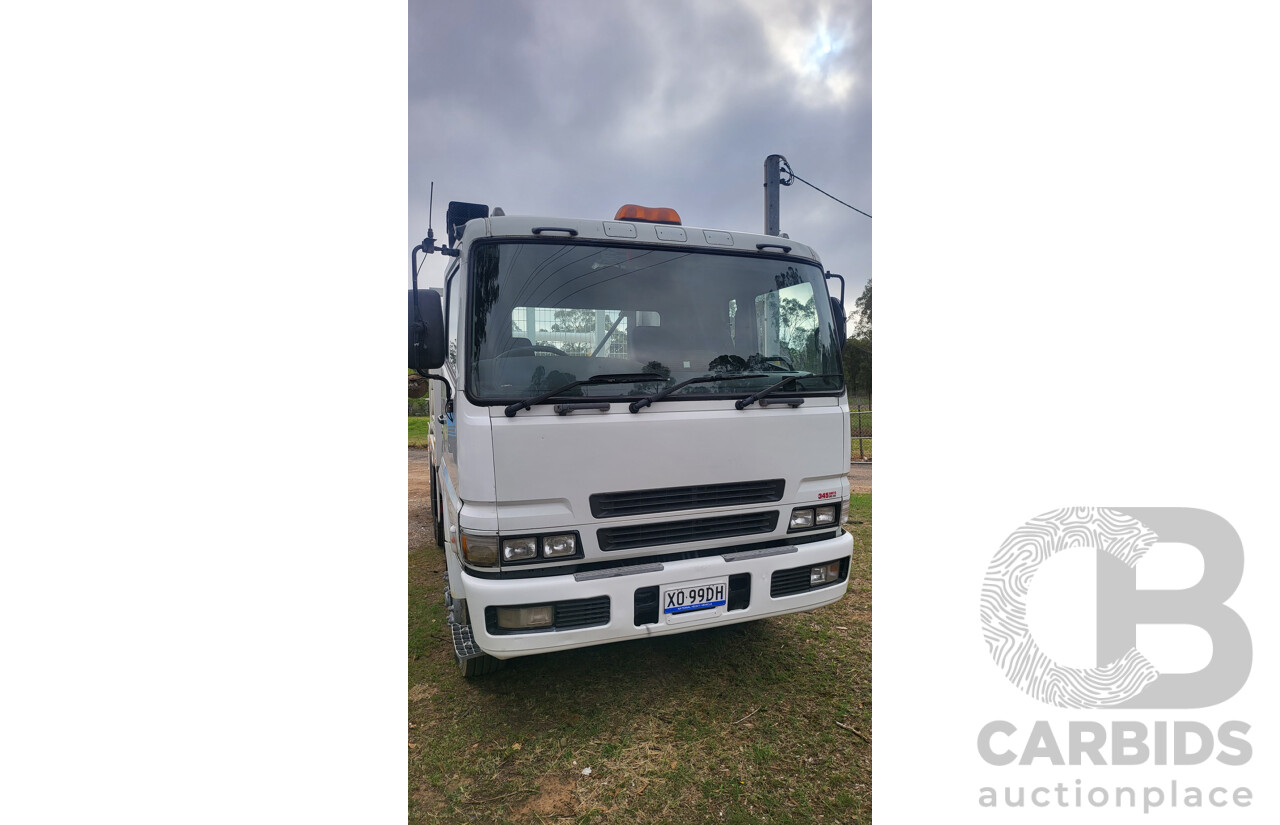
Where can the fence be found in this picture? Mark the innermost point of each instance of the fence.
(860, 430)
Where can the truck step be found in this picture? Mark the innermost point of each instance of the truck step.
(464, 645)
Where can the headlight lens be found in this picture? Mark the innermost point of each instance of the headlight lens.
(480, 551)
(519, 549)
(801, 519)
(565, 544)
(825, 515)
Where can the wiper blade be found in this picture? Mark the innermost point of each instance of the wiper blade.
(623, 378)
(743, 403)
(640, 403)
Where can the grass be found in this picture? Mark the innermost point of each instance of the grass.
(419, 430)
(768, 721)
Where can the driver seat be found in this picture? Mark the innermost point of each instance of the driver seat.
(518, 344)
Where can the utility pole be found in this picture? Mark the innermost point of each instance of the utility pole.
(772, 183)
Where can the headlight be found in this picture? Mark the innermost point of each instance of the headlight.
(800, 519)
(487, 551)
(519, 549)
(480, 551)
(565, 544)
(825, 515)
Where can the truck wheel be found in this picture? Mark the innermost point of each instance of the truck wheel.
(437, 504)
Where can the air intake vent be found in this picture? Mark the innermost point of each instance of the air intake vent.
(788, 582)
(667, 499)
(582, 613)
(679, 532)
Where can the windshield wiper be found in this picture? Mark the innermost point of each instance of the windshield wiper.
(639, 404)
(743, 403)
(625, 378)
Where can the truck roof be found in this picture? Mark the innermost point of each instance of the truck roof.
(634, 232)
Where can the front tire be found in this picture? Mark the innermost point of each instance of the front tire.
(437, 505)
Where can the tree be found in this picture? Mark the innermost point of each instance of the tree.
(574, 320)
(857, 348)
(862, 311)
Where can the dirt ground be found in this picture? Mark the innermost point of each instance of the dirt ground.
(420, 494)
(860, 477)
(419, 498)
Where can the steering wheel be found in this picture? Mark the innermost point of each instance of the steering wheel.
(521, 351)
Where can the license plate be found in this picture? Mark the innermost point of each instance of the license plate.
(694, 600)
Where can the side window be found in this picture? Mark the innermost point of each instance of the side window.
(453, 312)
(786, 322)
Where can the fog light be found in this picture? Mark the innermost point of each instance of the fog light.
(522, 618)
(825, 515)
(519, 549)
(563, 545)
(801, 518)
(825, 573)
(481, 551)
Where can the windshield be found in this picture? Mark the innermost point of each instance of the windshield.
(544, 315)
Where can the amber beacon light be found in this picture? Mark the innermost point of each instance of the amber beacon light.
(648, 214)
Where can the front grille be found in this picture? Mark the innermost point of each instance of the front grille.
(666, 499)
(569, 615)
(677, 532)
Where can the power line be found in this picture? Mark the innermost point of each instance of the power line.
(786, 167)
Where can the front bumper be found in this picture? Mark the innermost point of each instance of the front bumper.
(619, 585)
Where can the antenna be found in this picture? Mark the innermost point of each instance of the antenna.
(431, 205)
(428, 244)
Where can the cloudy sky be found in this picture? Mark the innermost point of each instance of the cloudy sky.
(574, 108)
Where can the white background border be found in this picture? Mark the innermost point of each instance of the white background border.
(1075, 247)
(202, 598)
(1075, 214)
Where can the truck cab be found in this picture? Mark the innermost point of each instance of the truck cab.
(644, 430)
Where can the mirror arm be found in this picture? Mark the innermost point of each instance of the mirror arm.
(448, 389)
(829, 276)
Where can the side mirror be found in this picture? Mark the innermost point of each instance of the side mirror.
(427, 346)
(837, 312)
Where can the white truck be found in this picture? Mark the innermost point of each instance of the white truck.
(639, 428)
